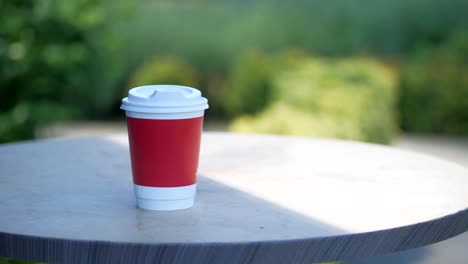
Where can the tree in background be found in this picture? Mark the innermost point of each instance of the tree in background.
(48, 62)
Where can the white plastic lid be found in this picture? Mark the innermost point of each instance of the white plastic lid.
(164, 99)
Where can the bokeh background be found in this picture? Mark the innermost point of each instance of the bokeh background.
(366, 70)
(360, 70)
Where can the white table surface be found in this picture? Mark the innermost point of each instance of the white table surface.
(260, 199)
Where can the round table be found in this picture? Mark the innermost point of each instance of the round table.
(260, 199)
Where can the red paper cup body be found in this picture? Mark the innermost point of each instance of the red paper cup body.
(164, 153)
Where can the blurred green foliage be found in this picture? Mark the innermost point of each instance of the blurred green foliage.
(43, 62)
(48, 63)
(164, 70)
(434, 88)
(341, 98)
(212, 34)
(63, 60)
(217, 38)
(14, 261)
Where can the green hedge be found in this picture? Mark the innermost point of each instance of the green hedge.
(164, 70)
(349, 99)
(249, 84)
(434, 88)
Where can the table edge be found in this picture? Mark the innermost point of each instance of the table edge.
(303, 250)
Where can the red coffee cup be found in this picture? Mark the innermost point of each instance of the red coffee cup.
(164, 131)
